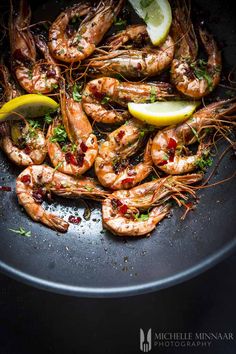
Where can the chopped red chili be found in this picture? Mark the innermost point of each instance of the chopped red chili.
(80, 159)
(120, 135)
(38, 195)
(27, 150)
(171, 149)
(5, 189)
(83, 147)
(162, 163)
(127, 180)
(123, 209)
(26, 179)
(74, 219)
(70, 158)
(172, 144)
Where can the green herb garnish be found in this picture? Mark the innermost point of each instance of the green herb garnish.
(48, 119)
(142, 217)
(77, 96)
(59, 135)
(105, 100)
(21, 231)
(153, 94)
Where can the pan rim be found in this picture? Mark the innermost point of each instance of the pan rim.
(123, 291)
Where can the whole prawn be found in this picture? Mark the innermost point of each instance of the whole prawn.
(112, 165)
(22, 144)
(79, 155)
(193, 77)
(100, 93)
(34, 76)
(133, 62)
(170, 143)
(122, 211)
(70, 45)
(35, 183)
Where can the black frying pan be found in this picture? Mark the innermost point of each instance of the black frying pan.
(89, 262)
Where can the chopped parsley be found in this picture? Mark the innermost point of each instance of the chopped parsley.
(76, 93)
(105, 100)
(120, 22)
(21, 231)
(34, 124)
(59, 135)
(204, 162)
(48, 119)
(88, 188)
(153, 94)
(200, 71)
(142, 217)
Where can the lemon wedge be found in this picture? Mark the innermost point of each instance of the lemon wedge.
(163, 113)
(28, 106)
(158, 16)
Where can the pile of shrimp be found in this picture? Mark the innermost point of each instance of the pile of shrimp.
(140, 170)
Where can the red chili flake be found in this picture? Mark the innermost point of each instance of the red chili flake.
(26, 179)
(38, 195)
(162, 163)
(70, 158)
(83, 147)
(95, 92)
(123, 209)
(171, 149)
(189, 205)
(127, 180)
(27, 150)
(172, 144)
(5, 189)
(120, 135)
(139, 66)
(80, 159)
(74, 219)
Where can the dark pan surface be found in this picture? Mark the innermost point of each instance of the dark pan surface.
(89, 262)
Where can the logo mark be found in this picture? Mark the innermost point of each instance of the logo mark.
(145, 343)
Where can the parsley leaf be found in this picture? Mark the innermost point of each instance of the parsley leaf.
(77, 96)
(105, 100)
(153, 94)
(120, 22)
(59, 135)
(34, 124)
(48, 119)
(204, 162)
(142, 217)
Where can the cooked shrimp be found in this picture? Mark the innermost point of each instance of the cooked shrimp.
(34, 76)
(99, 92)
(133, 62)
(193, 77)
(10, 89)
(22, 144)
(30, 147)
(70, 45)
(112, 165)
(36, 182)
(122, 210)
(170, 143)
(79, 155)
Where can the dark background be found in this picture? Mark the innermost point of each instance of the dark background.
(33, 321)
